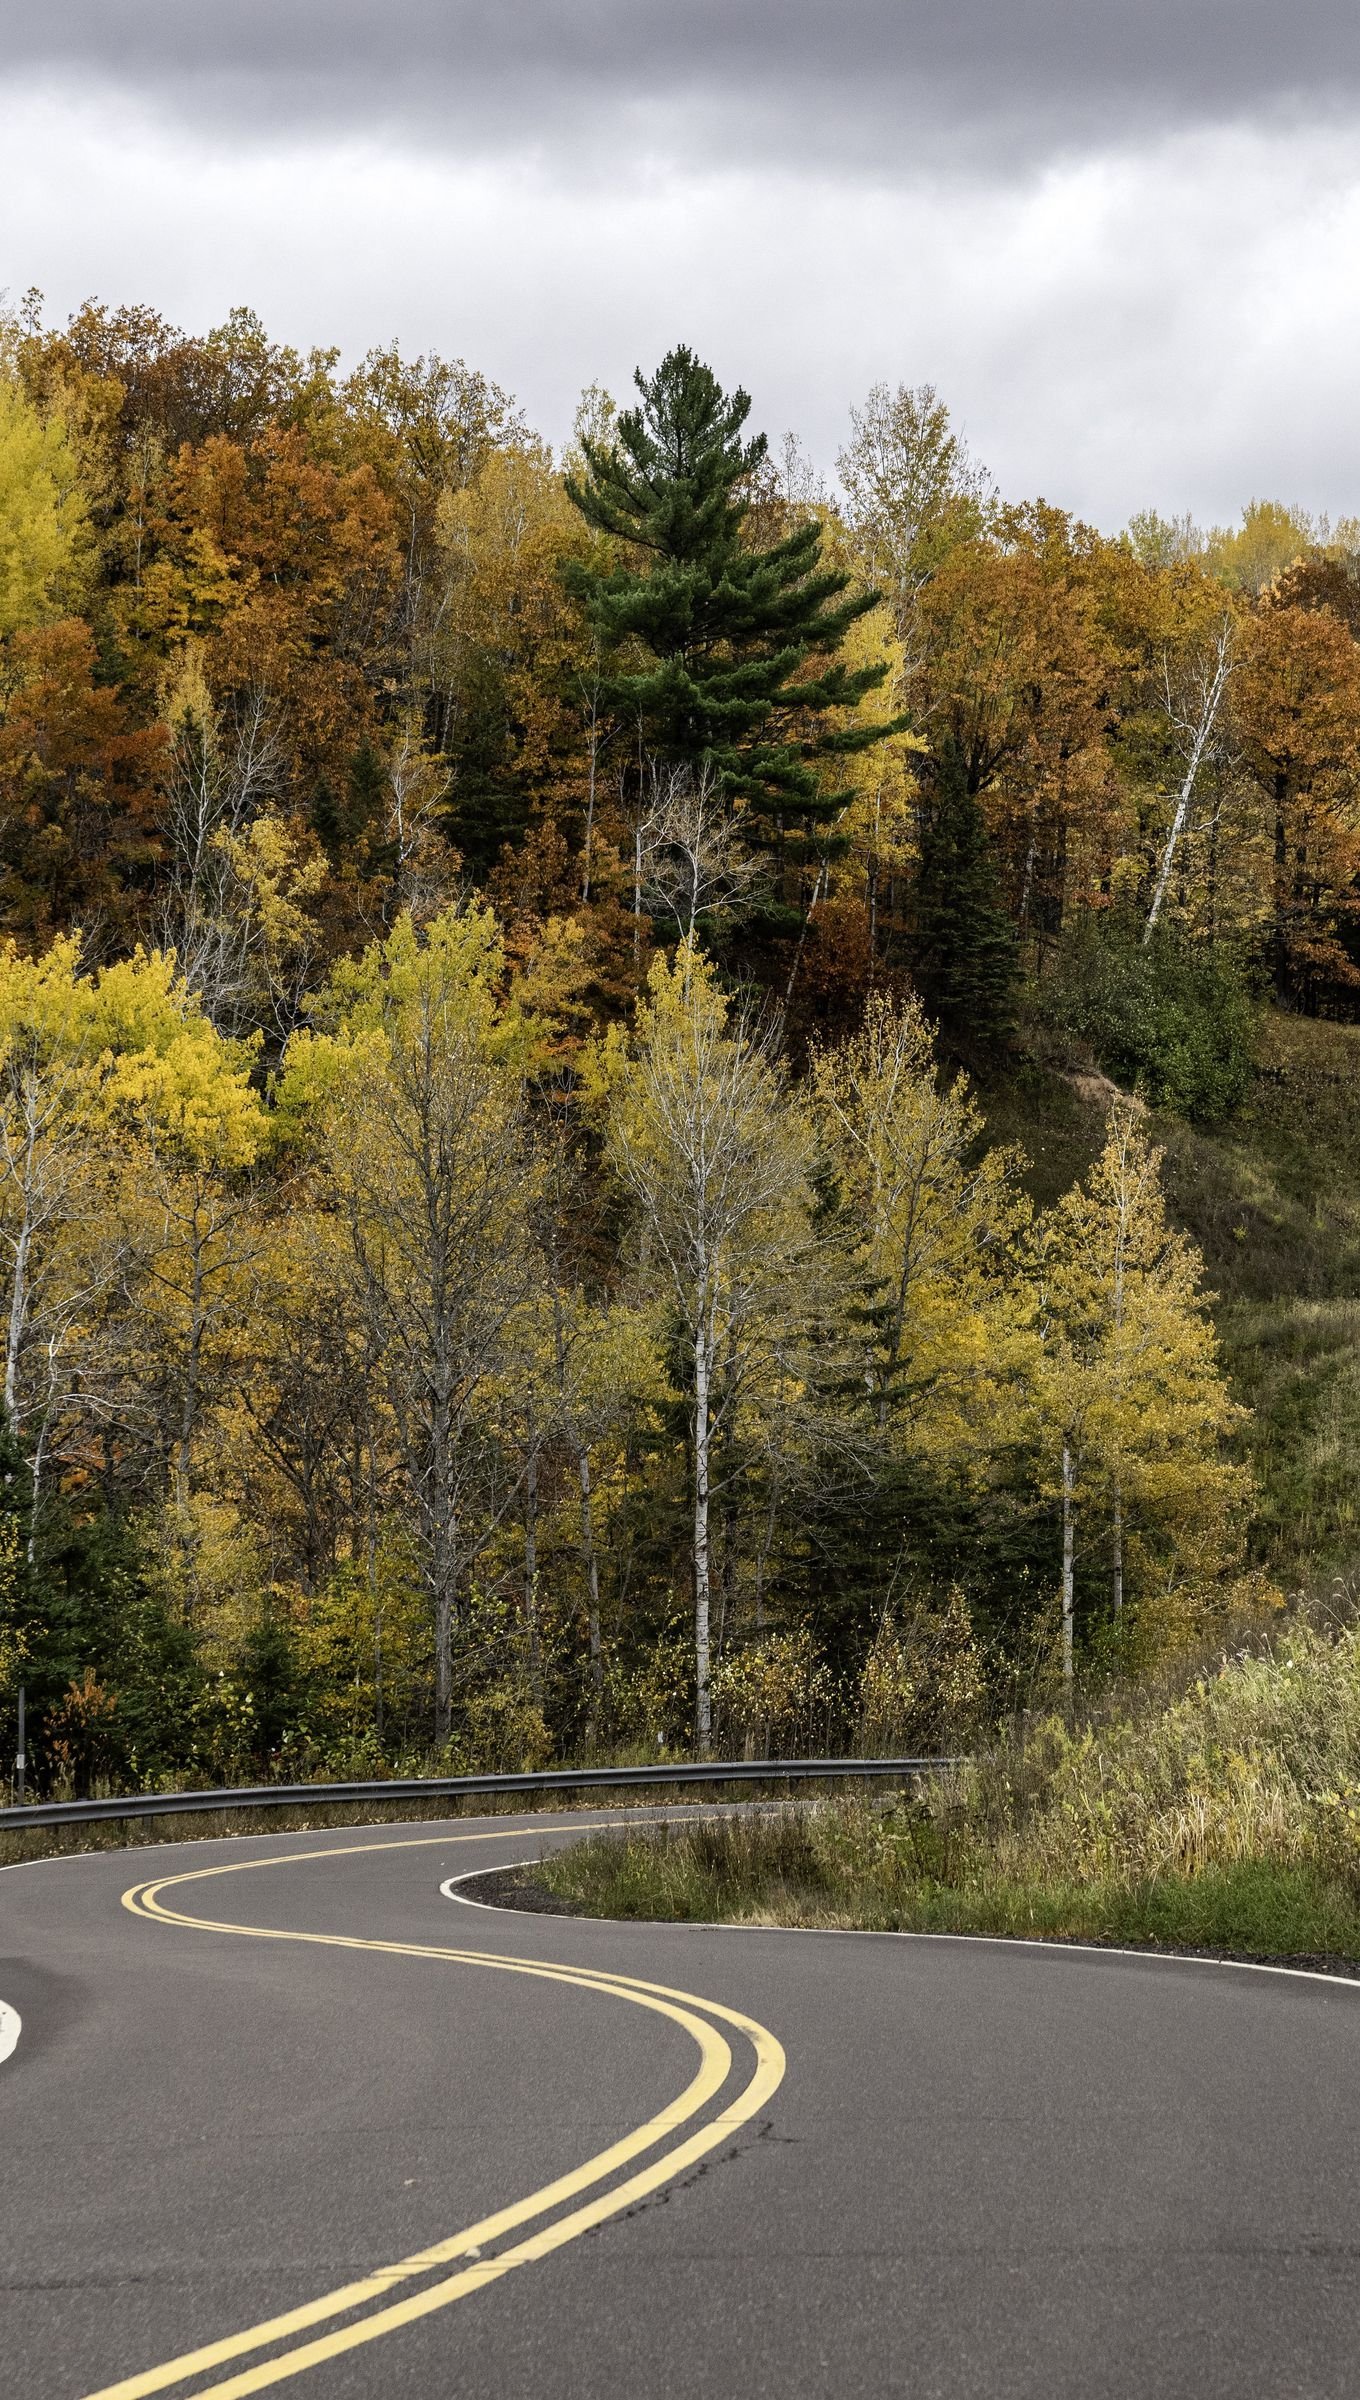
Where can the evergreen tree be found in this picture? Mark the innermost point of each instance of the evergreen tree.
(367, 790)
(963, 947)
(722, 653)
(340, 820)
(327, 817)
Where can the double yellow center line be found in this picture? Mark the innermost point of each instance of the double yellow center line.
(367, 2305)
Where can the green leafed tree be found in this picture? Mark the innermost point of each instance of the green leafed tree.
(723, 655)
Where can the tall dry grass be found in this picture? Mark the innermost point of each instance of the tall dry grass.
(1228, 1817)
(1257, 1759)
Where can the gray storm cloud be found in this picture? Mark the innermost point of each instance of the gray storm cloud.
(887, 83)
(1119, 234)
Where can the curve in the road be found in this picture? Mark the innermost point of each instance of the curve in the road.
(1030, 2173)
(706, 2021)
(1342, 1976)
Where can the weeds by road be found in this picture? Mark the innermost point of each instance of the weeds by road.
(1227, 1819)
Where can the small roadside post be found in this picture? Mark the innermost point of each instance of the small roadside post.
(20, 1758)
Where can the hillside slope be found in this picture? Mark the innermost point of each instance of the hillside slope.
(1272, 1198)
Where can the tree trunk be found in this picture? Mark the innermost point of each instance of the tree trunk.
(443, 1665)
(591, 1563)
(1280, 932)
(1027, 875)
(531, 1576)
(371, 1566)
(1068, 1530)
(35, 1491)
(593, 755)
(18, 1305)
(703, 1709)
(1117, 1551)
(18, 1309)
(443, 1564)
(727, 1573)
(193, 1372)
(763, 1557)
(1211, 700)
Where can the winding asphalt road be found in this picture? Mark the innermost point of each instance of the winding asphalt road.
(283, 2112)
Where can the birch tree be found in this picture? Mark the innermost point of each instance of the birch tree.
(417, 1090)
(1193, 706)
(222, 773)
(48, 1164)
(94, 1069)
(1135, 1404)
(691, 861)
(235, 910)
(933, 1221)
(911, 487)
(605, 1367)
(703, 1134)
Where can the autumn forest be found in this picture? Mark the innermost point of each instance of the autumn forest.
(535, 996)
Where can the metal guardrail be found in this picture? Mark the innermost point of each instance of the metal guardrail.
(451, 1787)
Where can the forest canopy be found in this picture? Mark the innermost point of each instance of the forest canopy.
(505, 958)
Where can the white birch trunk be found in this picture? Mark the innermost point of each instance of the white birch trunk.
(591, 1563)
(18, 1310)
(1068, 1534)
(1211, 700)
(531, 1576)
(703, 1707)
(18, 1303)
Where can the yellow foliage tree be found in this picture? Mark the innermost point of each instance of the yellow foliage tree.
(1131, 1396)
(43, 517)
(704, 1135)
(411, 1093)
(116, 1095)
(934, 1224)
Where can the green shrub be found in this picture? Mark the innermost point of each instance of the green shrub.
(1170, 1018)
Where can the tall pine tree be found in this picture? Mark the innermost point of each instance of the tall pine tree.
(722, 655)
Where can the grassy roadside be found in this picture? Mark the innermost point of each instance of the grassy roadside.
(824, 1870)
(1225, 1819)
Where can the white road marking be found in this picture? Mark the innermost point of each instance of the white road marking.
(11, 2026)
(448, 1892)
(865, 1933)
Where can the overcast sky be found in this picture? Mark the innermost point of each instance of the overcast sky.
(1120, 236)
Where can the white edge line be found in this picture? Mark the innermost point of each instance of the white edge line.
(887, 1933)
(447, 1892)
(11, 2026)
(508, 1866)
(864, 1933)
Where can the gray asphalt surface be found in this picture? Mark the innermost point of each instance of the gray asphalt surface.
(989, 2170)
